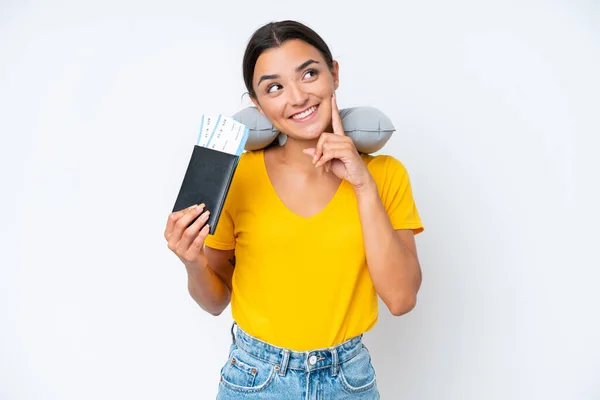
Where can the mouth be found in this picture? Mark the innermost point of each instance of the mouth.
(305, 115)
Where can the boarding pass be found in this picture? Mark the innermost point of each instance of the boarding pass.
(223, 134)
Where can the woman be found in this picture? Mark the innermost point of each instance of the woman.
(310, 234)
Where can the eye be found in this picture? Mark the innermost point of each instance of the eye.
(273, 88)
(311, 73)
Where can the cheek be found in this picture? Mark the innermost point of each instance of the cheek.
(272, 107)
(326, 86)
(273, 110)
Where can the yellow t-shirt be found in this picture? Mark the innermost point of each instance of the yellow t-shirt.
(303, 283)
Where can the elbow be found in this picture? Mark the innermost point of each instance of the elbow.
(217, 309)
(214, 309)
(215, 313)
(402, 306)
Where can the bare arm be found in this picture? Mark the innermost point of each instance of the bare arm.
(210, 286)
(209, 271)
(391, 255)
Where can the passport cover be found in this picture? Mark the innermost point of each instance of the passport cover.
(207, 180)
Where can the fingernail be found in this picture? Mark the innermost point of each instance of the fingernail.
(206, 214)
(199, 207)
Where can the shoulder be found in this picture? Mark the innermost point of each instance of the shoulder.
(245, 178)
(249, 174)
(248, 165)
(250, 159)
(384, 167)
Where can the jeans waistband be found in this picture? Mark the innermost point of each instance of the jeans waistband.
(285, 359)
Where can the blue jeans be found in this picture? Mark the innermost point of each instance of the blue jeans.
(258, 370)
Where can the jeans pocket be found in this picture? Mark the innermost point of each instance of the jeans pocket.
(358, 374)
(245, 373)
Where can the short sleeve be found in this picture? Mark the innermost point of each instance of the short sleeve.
(224, 236)
(396, 193)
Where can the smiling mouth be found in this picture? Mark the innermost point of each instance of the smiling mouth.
(304, 114)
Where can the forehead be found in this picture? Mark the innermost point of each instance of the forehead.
(284, 59)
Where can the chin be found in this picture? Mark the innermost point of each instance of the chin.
(311, 133)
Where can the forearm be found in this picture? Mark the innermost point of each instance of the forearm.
(208, 289)
(394, 270)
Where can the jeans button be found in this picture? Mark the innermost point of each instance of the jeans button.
(312, 360)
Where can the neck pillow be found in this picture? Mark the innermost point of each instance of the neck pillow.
(369, 128)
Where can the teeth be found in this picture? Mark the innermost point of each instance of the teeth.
(305, 113)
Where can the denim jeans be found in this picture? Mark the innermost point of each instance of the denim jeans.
(258, 370)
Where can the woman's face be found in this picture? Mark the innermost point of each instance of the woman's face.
(293, 86)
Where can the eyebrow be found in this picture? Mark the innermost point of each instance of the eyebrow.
(298, 69)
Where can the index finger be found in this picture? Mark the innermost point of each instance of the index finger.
(336, 120)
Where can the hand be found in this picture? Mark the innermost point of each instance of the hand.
(187, 242)
(337, 153)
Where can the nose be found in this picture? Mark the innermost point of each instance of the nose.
(298, 97)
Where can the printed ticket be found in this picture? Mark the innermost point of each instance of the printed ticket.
(207, 127)
(228, 135)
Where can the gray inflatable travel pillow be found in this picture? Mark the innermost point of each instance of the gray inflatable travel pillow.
(369, 128)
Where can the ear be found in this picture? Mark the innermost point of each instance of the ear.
(257, 104)
(336, 74)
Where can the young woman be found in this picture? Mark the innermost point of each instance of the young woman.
(310, 234)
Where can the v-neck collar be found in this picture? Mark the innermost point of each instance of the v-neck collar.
(324, 211)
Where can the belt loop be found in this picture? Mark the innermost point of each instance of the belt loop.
(232, 334)
(334, 362)
(284, 362)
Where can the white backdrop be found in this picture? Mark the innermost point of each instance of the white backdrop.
(497, 110)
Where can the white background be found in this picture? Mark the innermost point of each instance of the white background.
(497, 110)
